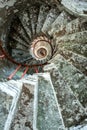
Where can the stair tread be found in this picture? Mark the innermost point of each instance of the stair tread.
(69, 103)
(25, 110)
(74, 77)
(33, 12)
(10, 92)
(25, 20)
(60, 22)
(79, 61)
(44, 9)
(76, 25)
(22, 95)
(20, 30)
(75, 47)
(79, 37)
(48, 115)
(51, 16)
(77, 8)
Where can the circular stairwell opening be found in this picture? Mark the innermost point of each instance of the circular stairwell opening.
(27, 43)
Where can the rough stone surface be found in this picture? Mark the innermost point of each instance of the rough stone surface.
(5, 104)
(59, 22)
(78, 48)
(76, 7)
(72, 110)
(9, 92)
(76, 25)
(41, 17)
(75, 79)
(48, 115)
(24, 117)
(69, 36)
(79, 37)
(51, 16)
(79, 61)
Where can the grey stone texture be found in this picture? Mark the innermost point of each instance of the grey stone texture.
(76, 7)
(59, 22)
(5, 104)
(79, 61)
(23, 119)
(51, 16)
(48, 114)
(72, 110)
(45, 103)
(75, 79)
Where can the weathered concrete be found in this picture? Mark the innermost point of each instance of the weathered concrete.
(44, 9)
(77, 25)
(79, 48)
(25, 20)
(5, 105)
(72, 110)
(59, 22)
(77, 60)
(79, 37)
(22, 111)
(25, 112)
(69, 82)
(33, 13)
(48, 114)
(10, 92)
(76, 7)
(51, 16)
(75, 79)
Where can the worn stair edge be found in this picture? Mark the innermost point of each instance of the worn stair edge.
(79, 61)
(75, 7)
(46, 77)
(25, 117)
(12, 88)
(34, 81)
(78, 48)
(79, 37)
(74, 77)
(69, 103)
(80, 127)
(44, 9)
(25, 20)
(76, 25)
(52, 15)
(59, 23)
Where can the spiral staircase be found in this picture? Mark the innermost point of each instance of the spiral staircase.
(52, 39)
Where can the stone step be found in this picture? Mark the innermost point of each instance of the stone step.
(17, 27)
(48, 113)
(78, 48)
(75, 78)
(33, 12)
(72, 110)
(79, 61)
(44, 9)
(78, 8)
(19, 39)
(9, 95)
(77, 25)
(25, 20)
(79, 37)
(59, 23)
(25, 116)
(79, 127)
(51, 16)
(19, 99)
